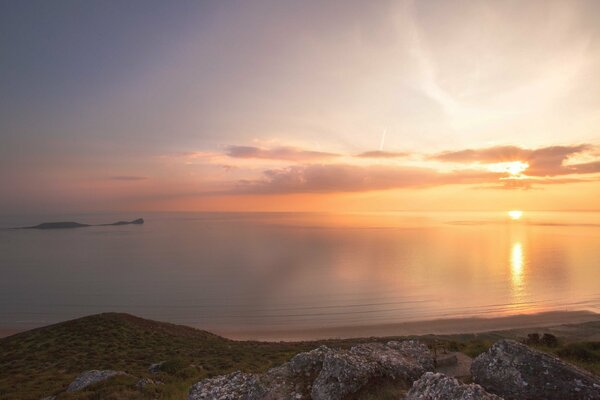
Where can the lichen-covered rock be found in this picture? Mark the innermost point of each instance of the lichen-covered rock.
(235, 386)
(294, 379)
(308, 363)
(89, 377)
(343, 373)
(436, 386)
(515, 371)
(416, 350)
(347, 372)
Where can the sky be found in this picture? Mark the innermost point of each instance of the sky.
(299, 106)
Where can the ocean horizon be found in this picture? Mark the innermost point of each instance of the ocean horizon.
(297, 272)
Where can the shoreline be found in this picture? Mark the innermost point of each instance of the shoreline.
(449, 326)
(558, 320)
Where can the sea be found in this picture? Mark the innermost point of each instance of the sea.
(239, 274)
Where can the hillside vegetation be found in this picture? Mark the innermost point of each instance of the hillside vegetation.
(42, 362)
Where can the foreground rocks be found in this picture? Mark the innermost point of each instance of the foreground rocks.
(436, 386)
(515, 371)
(324, 374)
(90, 377)
(507, 371)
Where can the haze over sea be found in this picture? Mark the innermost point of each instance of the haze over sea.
(247, 273)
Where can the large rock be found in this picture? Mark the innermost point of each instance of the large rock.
(343, 373)
(90, 377)
(235, 386)
(436, 386)
(347, 372)
(324, 373)
(294, 379)
(515, 371)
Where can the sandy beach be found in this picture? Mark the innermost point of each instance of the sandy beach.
(555, 319)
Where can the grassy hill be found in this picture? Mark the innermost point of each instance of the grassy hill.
(43, 361)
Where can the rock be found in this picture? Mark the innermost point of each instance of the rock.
(155, 368)
(90, 377)
(294, 379)
(309, 363)
(343, 373)
(235, 386)
(143, 382)
(415, 349)
(347, 372)
(436, 386)
(515, 371)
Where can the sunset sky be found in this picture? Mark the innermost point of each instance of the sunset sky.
(299, 105)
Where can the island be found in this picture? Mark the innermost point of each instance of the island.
(70, 225)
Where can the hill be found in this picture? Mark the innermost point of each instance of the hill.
(43, 361)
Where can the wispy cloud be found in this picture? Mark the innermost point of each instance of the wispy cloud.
(383, 154)
(287, 153)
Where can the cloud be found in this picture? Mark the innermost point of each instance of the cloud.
(545, 161)
(382, 154)
(585, 168)
(327, 178)
(287, 153)
(127, 178)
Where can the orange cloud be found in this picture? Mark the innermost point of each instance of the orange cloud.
(323, 178)
(546, 161)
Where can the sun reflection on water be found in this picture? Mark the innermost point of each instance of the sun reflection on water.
(516, 269)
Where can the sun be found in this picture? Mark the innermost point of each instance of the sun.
(513, 168)
(515, 214)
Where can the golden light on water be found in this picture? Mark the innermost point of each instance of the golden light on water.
(515, 214)
(516, 260)
(516, 268)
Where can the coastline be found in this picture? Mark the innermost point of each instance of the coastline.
(558, 320)
(450, 326)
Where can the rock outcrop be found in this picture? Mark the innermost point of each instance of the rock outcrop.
(517, 372)
(347, 372)
(324, 373)
(90, 377)
(436, 386)
(507, 371)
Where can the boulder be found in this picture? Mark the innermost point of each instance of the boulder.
(436, 386)
(343, 373)
(347, 372)
(416, 350)
(515, 371)
(235, 386)
(90, 377)
(294, 379)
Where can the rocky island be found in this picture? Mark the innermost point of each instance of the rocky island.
(69, 224)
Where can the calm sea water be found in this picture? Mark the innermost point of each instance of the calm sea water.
(247, 272)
